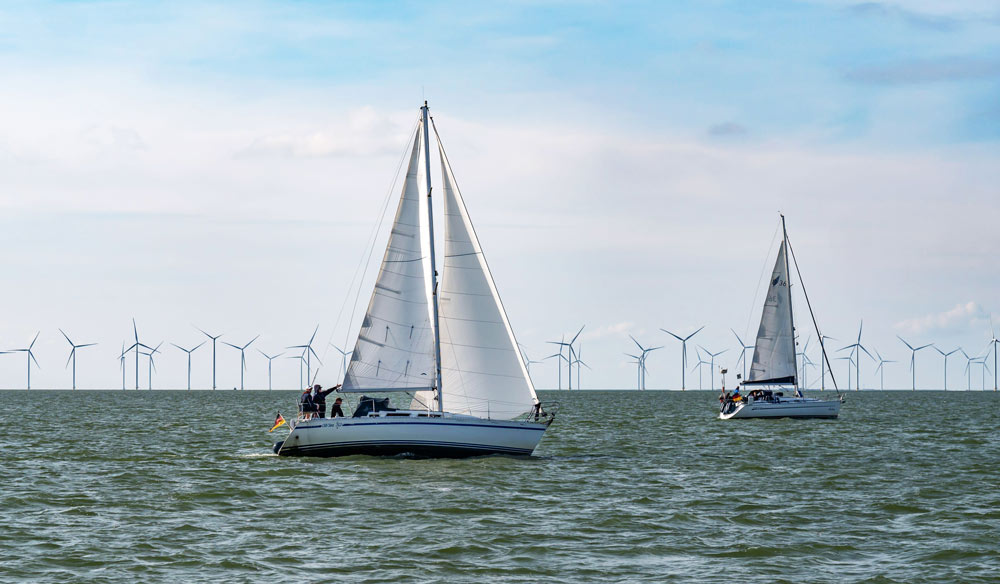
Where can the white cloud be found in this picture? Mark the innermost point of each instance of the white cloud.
(961, 316)
(362, 132)
(619, 329)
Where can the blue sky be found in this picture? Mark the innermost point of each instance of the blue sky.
(222, 163)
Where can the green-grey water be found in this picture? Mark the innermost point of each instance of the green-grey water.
(624, 487)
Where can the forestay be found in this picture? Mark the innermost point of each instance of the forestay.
(483, 373)
(774, 352)
(395, 347)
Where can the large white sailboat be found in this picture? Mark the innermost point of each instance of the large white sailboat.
(447, 344)
(773, 370)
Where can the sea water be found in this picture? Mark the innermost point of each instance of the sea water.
(172, 486)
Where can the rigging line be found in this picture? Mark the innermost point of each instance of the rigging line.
(815, 324)
(486, 265)
(763, 270)
(366, 260)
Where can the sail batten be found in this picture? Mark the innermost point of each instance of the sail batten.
(774, 350)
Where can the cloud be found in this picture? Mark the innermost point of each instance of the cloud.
(365, 132)
(106, 137)
(930, 71)
(962, 316)
(938, 22)
(727, 129)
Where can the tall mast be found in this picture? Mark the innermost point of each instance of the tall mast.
(434, 282)
(788, 279)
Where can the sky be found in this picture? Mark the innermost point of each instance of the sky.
(223, 166)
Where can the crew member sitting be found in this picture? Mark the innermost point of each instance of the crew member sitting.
(335, 411)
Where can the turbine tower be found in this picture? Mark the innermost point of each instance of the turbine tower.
(638, 371)
(968, 368)
(945, 355)
(215, 338)
(913, 360)
(269, 359)
(31, 356)
(189, 351)
(684, 352)
(308, 353)
(243, 356)
(72, 354)
(302, 362)
(881, 369)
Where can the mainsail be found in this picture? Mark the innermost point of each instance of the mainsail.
(395, 348)
(483, 373)
(774, 352)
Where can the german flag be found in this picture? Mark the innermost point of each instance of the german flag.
(278, 422)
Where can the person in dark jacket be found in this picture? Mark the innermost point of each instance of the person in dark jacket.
(335, 411)
(307, 408)
(319, 398)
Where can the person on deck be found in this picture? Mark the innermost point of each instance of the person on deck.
(319, 398)
(736, 394)
(307, 408)
(335, 411)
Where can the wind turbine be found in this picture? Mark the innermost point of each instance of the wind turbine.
(712, 362)
(993, 344)
(857, 347)
(269, 359)
(72, 354)
(135, 347)
(913, 360)
(215, 338)
(343, 360)
(189, 351)
(308, 353)
(805, 361)
(743, 353)
(642, 358)
(684, 352)
(698, 365)
(31, 356)
(571, 358)
(121, 364)
(243, 357)
(561, 358)
(945, 355)
(881, 369)
(152, 365)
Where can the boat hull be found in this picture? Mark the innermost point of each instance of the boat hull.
(425, 437)
(785, 408)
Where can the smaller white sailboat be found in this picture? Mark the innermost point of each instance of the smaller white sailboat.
(446, 343)
(774, 368)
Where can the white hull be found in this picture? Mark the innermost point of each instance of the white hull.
(785, 408)
(416, 433)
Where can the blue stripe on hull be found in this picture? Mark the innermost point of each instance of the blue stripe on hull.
(418, 448)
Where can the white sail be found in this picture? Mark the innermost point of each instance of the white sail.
(774, 352)
(483, 373)
(395, 348)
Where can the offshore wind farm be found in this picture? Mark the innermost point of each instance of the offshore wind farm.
(260, 326)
